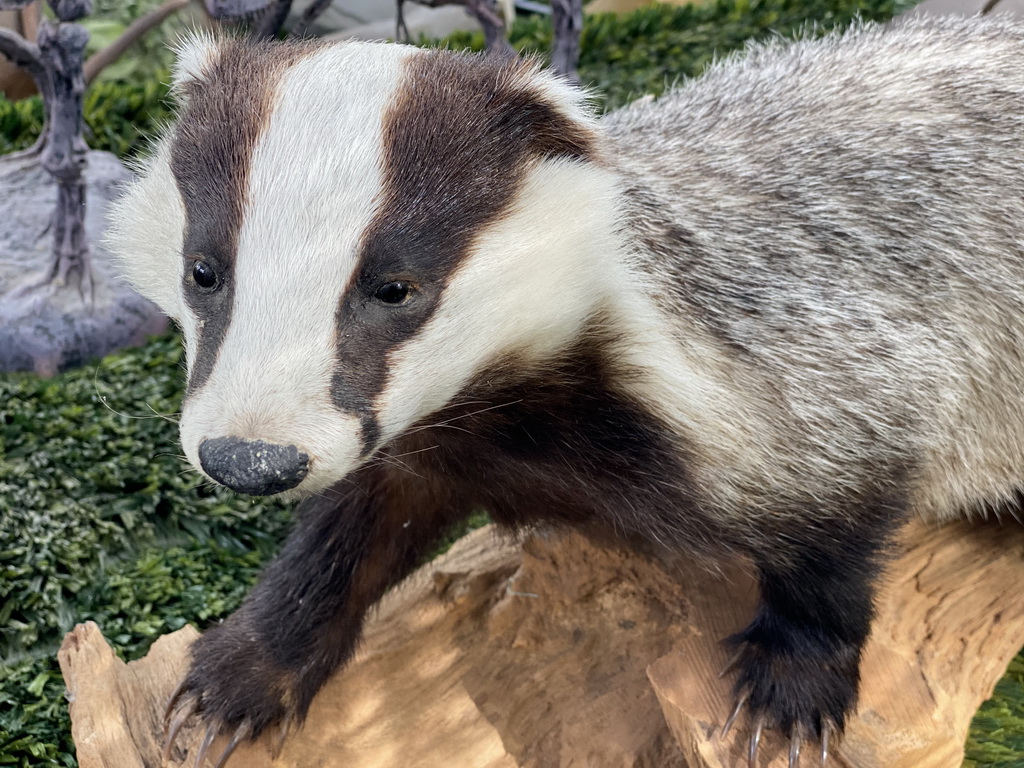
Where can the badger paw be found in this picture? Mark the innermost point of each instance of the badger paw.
(801, 687)
(233, 689)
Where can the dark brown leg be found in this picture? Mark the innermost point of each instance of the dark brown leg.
(262, 667)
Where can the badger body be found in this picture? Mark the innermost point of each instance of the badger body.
(773, 313)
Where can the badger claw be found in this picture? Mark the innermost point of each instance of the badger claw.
(795, 742)
(731, 665)
(240, 735)
(172, 703)
(211, 734)
(826, 732)
(178, 713)
(741, 702)
(173, 725)
(285, 728)
(755, 741)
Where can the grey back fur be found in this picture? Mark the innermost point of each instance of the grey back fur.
(851, 214)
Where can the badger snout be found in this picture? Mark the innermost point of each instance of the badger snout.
(255, 467)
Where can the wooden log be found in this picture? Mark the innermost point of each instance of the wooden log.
(559, 653)
(950, 619)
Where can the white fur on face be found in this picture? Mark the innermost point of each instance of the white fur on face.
(297, 249)
(526, 289)
(146, 232)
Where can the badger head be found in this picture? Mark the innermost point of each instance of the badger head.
(347, 234)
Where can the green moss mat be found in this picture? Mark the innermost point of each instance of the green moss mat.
(997, 731)
(100, 518)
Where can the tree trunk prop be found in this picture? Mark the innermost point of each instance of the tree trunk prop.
(56, 65)
(484, 11)
(567, 20)
(270, 15)
(61, 304)
(561, 653)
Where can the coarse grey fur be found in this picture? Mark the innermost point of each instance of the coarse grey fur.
(843, 221)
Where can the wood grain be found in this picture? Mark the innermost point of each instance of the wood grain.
(555, 652)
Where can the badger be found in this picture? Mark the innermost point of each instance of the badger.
(770, 315)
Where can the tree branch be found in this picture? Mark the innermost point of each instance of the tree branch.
(485, 12)
(567, 20)
(313, 12)
(95, 64)
(234, 9)
(271, 20)
(24, 54)
(401, 30)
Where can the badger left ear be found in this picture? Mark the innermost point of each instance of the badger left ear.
(559, 115)
(573, 101)
(194, 53)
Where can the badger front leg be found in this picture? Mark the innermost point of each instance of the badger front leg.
(798, 662)
(261, 668)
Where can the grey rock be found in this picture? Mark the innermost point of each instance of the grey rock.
(50, 328)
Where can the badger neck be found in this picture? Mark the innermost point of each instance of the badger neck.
(588, 414)
(566, 440)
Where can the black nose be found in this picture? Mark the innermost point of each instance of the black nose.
(255, 467)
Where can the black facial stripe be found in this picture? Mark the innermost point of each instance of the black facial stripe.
(458, 143)
(224, 115)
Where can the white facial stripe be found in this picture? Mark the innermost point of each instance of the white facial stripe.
(527, 288)
(297, 248)
(149, 256)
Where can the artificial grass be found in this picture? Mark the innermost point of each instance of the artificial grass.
(99, 517)
(996, 739)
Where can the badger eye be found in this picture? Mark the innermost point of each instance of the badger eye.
(393, 293)
(204, 274)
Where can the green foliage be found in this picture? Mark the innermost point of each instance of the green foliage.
(119, 117)
(145, 59)
(625, 57)
(20, 123)
(134, 601)
(35, 729)
(88, 473)
(123, 118)
(997, 731)
(100, 521)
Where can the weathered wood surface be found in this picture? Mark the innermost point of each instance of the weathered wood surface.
(556, 653)
(951, 617)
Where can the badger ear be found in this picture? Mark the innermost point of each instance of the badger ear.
(559, 115)
(194, 52)
(572, 101)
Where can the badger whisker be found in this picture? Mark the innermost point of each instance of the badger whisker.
(447, 422)
(395, 462)
(171, 417)
(413, 453)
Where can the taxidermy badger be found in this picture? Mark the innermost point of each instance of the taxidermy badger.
(773, 313)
